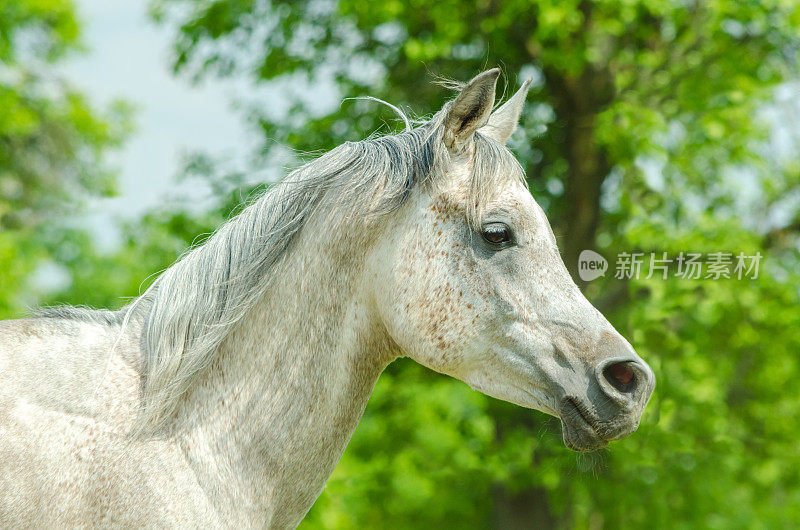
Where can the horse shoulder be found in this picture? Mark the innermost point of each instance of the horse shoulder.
(66, 403)
(63, 365)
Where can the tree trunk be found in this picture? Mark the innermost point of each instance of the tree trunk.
(588, 169)
(577, 102)
(525, 510)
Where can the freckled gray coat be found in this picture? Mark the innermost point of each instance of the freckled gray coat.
(226, 394)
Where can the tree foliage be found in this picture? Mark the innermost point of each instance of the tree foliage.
(52, 142)
(613, 78)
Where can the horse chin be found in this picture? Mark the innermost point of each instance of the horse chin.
(579, 432)
(581, 439)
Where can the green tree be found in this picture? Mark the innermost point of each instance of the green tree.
(612, 77)
(52, 142)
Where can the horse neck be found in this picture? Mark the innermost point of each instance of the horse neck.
(291, 381)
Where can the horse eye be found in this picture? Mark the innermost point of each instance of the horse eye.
(496, 234)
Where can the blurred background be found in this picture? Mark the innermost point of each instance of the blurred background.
(127, 130)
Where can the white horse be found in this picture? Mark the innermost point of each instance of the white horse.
(225, 396)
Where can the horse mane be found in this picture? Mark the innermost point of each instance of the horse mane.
(193, 305)
(85, 314)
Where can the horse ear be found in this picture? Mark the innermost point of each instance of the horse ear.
(471, 109)
(503, 122)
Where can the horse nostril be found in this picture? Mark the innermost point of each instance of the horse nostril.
(621, 376)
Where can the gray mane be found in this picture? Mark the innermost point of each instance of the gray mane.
(85, 314)
(194, 304)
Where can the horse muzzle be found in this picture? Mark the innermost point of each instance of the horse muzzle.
(612, 406)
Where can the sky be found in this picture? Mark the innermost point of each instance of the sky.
(128, 58)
